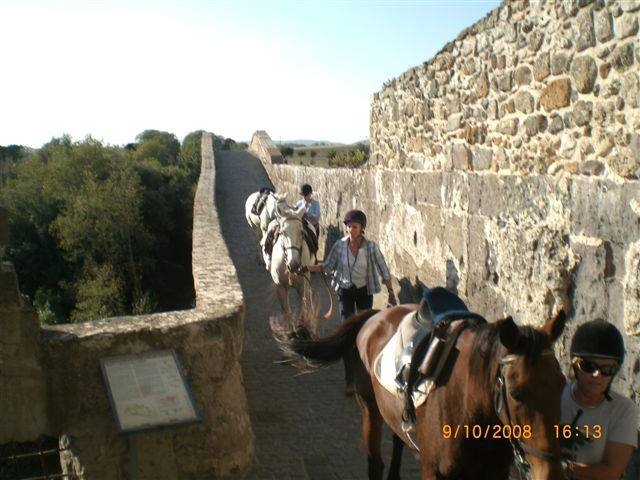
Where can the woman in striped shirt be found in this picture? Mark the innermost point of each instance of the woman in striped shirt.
(355, 263)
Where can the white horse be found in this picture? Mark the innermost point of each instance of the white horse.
(259, 223)
(290, 253)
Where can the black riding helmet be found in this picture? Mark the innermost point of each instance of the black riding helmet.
(305, 189)
(599, 339)
(355, 216)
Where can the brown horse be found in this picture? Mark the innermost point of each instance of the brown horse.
(505, 382)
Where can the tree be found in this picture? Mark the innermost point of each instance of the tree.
(190, 153)
(98, 231)
(286, 150)
(161, 146)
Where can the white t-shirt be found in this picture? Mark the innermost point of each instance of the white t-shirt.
(358, 267)
(614, 421)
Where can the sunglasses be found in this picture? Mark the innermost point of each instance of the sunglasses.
(591, 367)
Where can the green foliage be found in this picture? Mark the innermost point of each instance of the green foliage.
(190, 153)
(331, 154)
(313, 153)
(286, 150)
(301, 153)
(99, 231)
(222, 143)
(350, 159)
(100, 294)
(161, 146)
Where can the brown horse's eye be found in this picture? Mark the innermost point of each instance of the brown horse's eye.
(516, 394)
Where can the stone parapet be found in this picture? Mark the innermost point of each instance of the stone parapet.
(21, 374)
(508, 244)
(208, 343)
(263, 147)
(535, 87)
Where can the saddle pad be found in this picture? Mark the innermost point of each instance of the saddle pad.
(384, 366)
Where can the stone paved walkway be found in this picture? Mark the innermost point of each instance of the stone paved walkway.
(305, 427)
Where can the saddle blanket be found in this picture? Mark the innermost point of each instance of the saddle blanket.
(384, 365)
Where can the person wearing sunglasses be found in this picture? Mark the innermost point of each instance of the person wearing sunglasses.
(599, 427)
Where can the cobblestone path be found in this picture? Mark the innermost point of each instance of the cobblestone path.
(305, 427)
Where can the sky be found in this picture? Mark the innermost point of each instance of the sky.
(297, 69)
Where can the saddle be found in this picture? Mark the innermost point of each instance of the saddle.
(432, 348)
(261, 200)
(310, 236)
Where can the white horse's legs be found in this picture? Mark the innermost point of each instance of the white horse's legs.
(283, 296)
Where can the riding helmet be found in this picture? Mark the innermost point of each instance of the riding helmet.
(355, 216)
(305, 190)
(598, 338)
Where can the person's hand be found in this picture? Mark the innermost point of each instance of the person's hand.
(567, 469)
(392, 299)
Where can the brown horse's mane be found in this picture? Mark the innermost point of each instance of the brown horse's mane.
(486, 346)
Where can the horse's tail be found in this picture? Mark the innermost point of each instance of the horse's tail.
(326, 350)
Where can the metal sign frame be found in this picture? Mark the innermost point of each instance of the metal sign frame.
(148, 390)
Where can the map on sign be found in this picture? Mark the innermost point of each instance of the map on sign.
(148, 390)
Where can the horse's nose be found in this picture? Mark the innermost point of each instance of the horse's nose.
(294, 265)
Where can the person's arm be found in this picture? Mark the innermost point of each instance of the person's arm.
(384, 272)
(329, 264)
(614, 463)
(314, 210)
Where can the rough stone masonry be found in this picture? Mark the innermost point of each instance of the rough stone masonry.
(507, 166)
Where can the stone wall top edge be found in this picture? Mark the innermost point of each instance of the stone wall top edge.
(486, 22)
(126, 325)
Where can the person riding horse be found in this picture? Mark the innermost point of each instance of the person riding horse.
(311, 218)
(311, 207)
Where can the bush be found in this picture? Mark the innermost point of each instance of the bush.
(301, 153)
(286, 150)
(331, 154)
(313, 153)
(350, 159)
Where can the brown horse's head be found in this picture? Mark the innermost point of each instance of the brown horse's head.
(528, 393)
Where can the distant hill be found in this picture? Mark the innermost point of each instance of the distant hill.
(304, 143)
(315, 143)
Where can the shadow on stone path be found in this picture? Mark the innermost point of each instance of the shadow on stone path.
(305, 427)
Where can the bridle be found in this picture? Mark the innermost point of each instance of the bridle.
(519, 447)
(286, 248)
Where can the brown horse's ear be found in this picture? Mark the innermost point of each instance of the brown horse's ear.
(509, 333)
(554, 326)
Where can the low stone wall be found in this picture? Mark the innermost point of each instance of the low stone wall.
(21, 375)
(508, 244)
(262, 146)
(207, 341)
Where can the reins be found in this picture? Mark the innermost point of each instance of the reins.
(327, 314)
(518, 447)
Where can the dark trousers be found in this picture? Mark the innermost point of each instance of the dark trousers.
(351, 300)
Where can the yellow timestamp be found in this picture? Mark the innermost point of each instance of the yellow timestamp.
(590, 432)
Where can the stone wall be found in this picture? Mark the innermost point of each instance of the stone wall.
(506, 169)
(21, 374)
(207, 341)
(540, 87)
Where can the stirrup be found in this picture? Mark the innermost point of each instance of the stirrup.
(401, 379)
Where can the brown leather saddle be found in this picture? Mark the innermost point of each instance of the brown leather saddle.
(434, 343)
(261, 200)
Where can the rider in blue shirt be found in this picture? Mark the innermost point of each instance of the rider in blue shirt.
(311, 206)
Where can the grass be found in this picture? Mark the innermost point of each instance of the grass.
(320, 159)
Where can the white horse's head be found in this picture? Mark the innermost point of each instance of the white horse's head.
(275, 202)
(292, 235)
